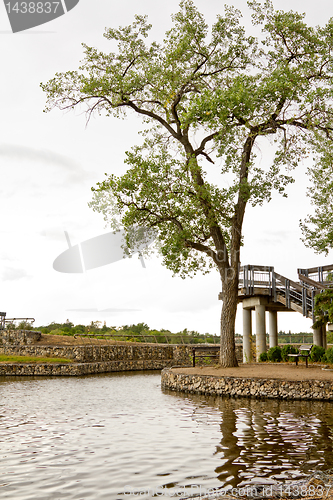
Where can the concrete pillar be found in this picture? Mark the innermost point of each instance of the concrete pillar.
(247, 336)
(273, 328)
(324, 336)
(318, 336)
(260, 330)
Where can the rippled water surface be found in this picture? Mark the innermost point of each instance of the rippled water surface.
(117, 436)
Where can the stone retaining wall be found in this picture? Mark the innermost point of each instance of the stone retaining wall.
(25, 343)
(98, 358)
(76, 369)
(247, 387)
(95, 359)
(178, 354)
(18, 337)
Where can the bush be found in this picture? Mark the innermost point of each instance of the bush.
(317, 353)
(24, 325)
(288, 349)
(274, 354)
(263, 356)
(328, 356)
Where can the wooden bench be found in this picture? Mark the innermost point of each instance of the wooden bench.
(304, 352)
(205, 348)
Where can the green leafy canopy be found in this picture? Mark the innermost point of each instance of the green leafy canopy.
(323, 308)
(210, 98)
(318, 228)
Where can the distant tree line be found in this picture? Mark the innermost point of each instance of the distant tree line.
(141, 332)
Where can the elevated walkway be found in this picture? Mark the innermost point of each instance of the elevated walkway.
(262, 289)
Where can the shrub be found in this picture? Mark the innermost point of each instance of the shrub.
(317, 353)
(263, 356)
(274, 354)
(288, 349)
(328, 356)
(24, 325)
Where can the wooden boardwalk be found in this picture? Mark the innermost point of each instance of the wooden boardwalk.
(284, 293)
(262, 289)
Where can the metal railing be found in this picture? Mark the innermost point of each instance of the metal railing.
(26, 320)
(251, 277)
(7, 321)
(321, 275)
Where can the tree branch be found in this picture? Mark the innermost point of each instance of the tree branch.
(204, 248)
(201, 148)
(153, 115)
(129, 65)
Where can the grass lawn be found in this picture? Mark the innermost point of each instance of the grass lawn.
(31, 359)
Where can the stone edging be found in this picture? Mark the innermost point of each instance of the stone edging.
(247, 387)
(77, 369)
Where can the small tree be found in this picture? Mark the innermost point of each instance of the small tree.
(318, 228)
(206, 96)
(323, 308)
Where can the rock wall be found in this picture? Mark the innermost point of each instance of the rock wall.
(77, 369)
(22, 345)
(246, 387)
(171, 354)
(18, 337)
(95, 358)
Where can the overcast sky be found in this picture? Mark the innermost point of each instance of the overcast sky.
(49, 161)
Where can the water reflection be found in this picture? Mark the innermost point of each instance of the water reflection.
(102, 437)
(269, 441)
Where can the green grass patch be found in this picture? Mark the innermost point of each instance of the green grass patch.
(31, 359)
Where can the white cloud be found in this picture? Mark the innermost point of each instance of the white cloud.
(75, 173)
(109, 310)
(12, 274)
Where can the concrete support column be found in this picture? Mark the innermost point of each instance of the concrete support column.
(273, 329)
(318, 336)
(324, 336)
(260, 330)
(247, 336)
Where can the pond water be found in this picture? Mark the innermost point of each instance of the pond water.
(118, 436)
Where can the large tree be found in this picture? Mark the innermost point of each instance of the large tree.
(210, 101)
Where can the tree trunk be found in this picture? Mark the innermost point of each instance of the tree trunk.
(228, 317)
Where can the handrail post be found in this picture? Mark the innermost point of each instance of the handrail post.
(2, 320)
(320, 275)
(287, 293)
(245, 279)
(304, 301)
(312, 304)
(274, 285)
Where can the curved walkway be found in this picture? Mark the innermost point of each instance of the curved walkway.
(280, 380)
